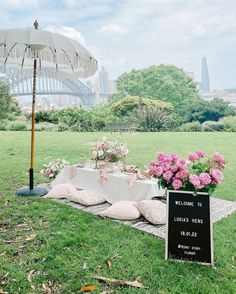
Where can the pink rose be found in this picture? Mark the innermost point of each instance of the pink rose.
(205, 179)
(167, 175)
(48, 172)
(216, 175)
(200, 153)
(158, 171)
(219, 159)
(174, 157)
(218, 156)
(177, 184)
(193, 157)
(183, 174)
(166, 167)
(174, 168)
(177, 176)
(152, 168)
(194, 179)
(181, 163)
(161, 156)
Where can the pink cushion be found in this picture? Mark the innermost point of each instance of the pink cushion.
(153, 210)
(87, 197)
(60, 191)
(123, 210)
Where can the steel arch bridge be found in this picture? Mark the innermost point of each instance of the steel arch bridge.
(21, 85)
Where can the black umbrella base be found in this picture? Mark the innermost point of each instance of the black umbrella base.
(36, 191)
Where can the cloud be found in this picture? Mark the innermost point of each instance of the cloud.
(68, 32)
(128, 34)
(112, 28)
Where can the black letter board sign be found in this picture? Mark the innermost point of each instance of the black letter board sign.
(189, 228)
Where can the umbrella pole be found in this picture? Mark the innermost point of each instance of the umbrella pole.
(31, 190)
(31, 170)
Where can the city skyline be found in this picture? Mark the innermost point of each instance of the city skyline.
(129, 34)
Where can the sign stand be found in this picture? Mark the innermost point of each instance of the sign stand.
(189, 227)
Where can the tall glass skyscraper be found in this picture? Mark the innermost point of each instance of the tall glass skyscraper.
(104, 81)
(205, 85)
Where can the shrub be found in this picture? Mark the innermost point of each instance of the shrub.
(17, 126)
(229, 123)
(61, 127)
(194, 126)
(150, 118)
(3, 125)
(44, 126)
(211, 126)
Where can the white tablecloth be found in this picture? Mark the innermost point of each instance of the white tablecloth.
(115, 189)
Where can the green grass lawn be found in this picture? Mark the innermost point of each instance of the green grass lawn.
(65, 247)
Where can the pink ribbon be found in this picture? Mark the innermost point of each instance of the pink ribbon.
(103, 177)
(132, 180)
(72, 171)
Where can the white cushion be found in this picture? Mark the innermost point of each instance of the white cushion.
(87, 197)
(60, 191)
(153, 210)
(123, 210)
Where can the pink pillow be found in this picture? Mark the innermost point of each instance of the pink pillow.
(87, 197)
(153, 210)
(60, 191)
(123, 210)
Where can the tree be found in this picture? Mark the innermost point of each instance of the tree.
(164, 82)
(208, 110)
(8, 105)
(125, 106)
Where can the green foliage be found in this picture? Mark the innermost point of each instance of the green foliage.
(152, 119)
(3, 125)
(165, 82)
(17, 126)
(207, 110)
(194, 126)
(115, 97)
(44, 116)
(125, 106)
(211, 126)
(9, 107)
(229, 123)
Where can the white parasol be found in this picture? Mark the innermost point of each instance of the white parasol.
(32, 51)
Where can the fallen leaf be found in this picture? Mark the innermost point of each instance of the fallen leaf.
(12, 241)
(22, 225)
(116, 282)
(3, 292)
(6, 203)
(1, 254)
(109, 262)
(88, 288)
(116, 256)
(4, 279)
(84, 245)
(29, 277)
(30, 237)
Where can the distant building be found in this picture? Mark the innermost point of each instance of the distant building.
(225, 95)
(104, 81)
(205, 84)
(113, 86)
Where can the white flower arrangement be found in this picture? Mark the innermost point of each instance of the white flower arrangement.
(52, 169)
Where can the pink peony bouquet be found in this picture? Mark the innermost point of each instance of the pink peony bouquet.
(198, 173)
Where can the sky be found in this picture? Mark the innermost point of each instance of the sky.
(128, 34)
